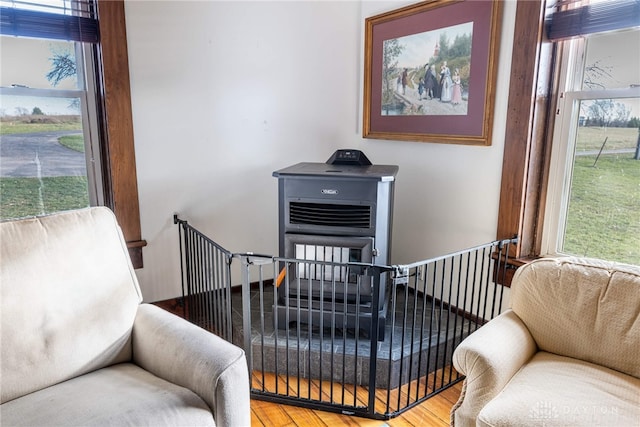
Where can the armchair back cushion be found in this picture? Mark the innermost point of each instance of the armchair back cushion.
(57, 325)
(581, 309)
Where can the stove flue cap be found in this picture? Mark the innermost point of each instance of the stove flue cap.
(349, 157)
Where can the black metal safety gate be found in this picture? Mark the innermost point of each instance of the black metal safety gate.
(323, 349)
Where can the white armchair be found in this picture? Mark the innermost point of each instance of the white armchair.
(565, 354)
(79, 348)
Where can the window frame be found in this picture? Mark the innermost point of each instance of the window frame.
(112, 150)
(121, 183)
(562, 159)
(89, 116)
(531, 118)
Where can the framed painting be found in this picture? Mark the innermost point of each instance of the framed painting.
(430, 72)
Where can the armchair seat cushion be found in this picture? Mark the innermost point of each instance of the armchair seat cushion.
(554, 390)
(119, 395)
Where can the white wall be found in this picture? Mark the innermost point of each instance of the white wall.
(224, 93)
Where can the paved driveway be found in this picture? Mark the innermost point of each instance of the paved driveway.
(39, 155)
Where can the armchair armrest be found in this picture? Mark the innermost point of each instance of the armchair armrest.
(489, 358)
(180, 352)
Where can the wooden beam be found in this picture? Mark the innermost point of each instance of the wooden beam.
(523, 169)
(121, 189)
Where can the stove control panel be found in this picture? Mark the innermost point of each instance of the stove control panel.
(349, 157)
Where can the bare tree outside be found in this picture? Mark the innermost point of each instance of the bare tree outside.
(63, 66)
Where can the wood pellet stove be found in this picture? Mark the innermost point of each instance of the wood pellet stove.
(339, 211)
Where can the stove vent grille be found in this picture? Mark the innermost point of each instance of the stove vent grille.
(334, 215)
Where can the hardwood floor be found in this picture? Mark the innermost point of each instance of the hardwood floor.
(434, 412)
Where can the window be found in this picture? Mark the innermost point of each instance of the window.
(110, 140)
(593, 204)
(49, 145)
(48, 140)
(525, 199)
